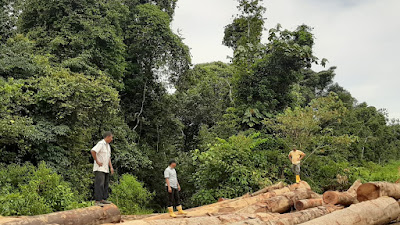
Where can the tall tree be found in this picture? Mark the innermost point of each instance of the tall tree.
(84, 36)
(244, 34)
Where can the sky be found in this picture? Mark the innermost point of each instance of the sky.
(360, 37)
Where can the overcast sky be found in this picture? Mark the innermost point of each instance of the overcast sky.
(360, 37)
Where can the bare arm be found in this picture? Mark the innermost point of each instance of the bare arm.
(302, 156)
(95, 158)
(169, 186)
(111, 167)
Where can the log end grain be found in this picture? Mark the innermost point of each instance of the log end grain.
(331, 197)
(368, 191)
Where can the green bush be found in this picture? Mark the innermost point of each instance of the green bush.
(130, 196)
(27, 190)
(235, 166)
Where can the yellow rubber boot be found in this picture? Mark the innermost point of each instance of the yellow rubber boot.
(297, 178)
(171, 212)
(180, 211)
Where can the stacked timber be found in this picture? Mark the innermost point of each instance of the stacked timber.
(375, 203)
(362, 204)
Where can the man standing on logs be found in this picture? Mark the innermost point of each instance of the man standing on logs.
(173, 189)
(295, 156)
(102, 167)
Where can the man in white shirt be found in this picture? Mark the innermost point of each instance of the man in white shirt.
(173, 189)
(102, 167)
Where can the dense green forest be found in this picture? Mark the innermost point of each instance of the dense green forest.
(70, 70)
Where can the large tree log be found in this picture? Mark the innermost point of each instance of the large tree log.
(283, 203)
(85, 216)
(375, 212)
(308, 203)
(278, 185)
(343, 198)
(234, 205)
(369, 191)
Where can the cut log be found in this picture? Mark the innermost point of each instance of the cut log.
(278, 185)
(278, 204)
(85, 216)
(374, 190)
(343, 198)
(379, 211)
(307, 203)
(283, 203)
(234, 205)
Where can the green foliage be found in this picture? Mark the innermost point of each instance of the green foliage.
(82, 43)
(203, 95)
(244, 34)
(27, 190)
(130, 196)
(311, 127)
(267, 85)
(233, 167)
(17, 58)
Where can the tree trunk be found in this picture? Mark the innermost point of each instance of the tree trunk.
(278, 185)
(369, 191)
(375, 212)
(343, 198)
(307, 203)
(85, 216)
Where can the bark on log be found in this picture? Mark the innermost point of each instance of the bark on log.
(308, 203)
(278, 204)
(355, 186)
(85, 216)
(241, 219)
(379, 211)
(374, 190)
(278, 185)
(234, 205)
(291, 218)
(283, 203)
(343, 198)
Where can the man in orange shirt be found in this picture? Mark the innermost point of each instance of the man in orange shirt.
(295, 157)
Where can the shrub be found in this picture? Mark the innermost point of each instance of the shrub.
(235, 166)
(130, 196)
(29, 190)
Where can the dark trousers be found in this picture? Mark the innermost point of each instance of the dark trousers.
(173, 197)
(101, 182)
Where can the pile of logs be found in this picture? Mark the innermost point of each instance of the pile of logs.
(362, 204)
(279, 204)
